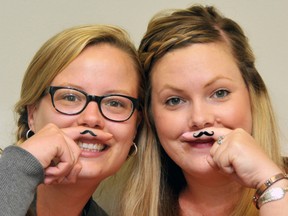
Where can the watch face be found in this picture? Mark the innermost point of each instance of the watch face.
(271, 195)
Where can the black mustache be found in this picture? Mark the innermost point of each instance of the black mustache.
(88, 131)
(201, 133)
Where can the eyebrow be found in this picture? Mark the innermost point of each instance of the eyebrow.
(214, 79)
(66, 84)
(180, 90)
(111, 91)
(170, 87)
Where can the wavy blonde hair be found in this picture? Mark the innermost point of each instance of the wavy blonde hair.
(139, 189)
(175, 29)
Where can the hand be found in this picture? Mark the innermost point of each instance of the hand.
(58, 152)
(240, 157)
(50, 143)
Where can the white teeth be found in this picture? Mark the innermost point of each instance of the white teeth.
(91, 147)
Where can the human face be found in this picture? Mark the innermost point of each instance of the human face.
(99, 70)
(193, 88)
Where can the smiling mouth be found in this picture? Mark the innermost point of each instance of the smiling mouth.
(92, 147)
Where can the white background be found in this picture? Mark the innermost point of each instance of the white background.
(27, 24)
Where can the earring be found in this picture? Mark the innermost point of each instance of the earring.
(135, 149)
(29, 133)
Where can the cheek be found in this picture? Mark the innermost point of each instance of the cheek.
(45, 114)
(169, 125)
(124, 133)
(238, 115)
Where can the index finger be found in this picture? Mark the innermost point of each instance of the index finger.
(81, 131)
(212, 132)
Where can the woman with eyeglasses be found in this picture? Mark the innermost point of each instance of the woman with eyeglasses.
(79, 113)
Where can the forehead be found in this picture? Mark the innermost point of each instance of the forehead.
(101, 65)
(198, 58)
(196, 67)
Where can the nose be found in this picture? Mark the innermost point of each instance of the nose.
(91, 116)
(201, 115)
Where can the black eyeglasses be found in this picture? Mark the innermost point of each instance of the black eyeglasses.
(72, 101)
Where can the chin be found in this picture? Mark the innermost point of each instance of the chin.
(199, 166)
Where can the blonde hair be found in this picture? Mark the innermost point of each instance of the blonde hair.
(175, 29)
(60, 51)
(140, 188)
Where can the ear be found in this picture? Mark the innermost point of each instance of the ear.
(31, 109)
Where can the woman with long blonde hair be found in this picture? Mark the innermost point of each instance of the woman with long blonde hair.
(211, 117)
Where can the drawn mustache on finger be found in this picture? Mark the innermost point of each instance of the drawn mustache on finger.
(201, 133)
(88, 131)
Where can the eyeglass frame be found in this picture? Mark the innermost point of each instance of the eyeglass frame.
(89, 98)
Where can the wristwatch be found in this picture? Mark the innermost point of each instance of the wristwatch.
(272, 194)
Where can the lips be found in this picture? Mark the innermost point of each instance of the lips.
(200, 142)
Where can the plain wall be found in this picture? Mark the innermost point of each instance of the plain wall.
(27, 24)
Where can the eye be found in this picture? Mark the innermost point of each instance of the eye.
(173, 101)
(69, 97)
(114, 103)
(221, 93)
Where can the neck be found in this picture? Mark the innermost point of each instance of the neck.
(68, 199)
(215, 196)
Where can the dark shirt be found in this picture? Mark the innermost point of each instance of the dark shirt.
(91, 209)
